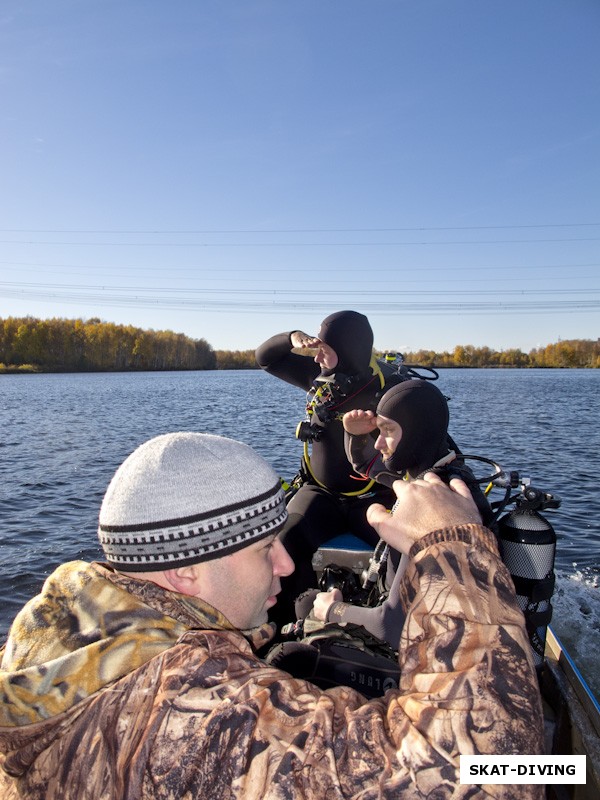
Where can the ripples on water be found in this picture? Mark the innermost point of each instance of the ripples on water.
(64, 435)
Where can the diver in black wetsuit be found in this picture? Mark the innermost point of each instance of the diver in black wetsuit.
(412, 422)
(333, 499)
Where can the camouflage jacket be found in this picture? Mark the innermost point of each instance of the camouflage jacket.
(114, 689)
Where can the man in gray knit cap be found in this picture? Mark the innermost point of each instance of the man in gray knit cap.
(172, 513)
(139, 677)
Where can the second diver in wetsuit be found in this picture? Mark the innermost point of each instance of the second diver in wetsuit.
(412, 421)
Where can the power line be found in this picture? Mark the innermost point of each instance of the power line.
(421, 310)
(300, 230)
(500, 268)
(275, 302)
(299, 244)
(291, 292)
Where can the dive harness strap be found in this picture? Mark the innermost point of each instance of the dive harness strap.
(307, 475)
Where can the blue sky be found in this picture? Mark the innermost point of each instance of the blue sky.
(237, 168)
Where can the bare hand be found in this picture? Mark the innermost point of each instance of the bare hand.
(423, 506)
(359, 423)
(302, 340)
(323, 602)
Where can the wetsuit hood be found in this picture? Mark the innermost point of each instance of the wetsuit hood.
(351, 336)
(422, 412)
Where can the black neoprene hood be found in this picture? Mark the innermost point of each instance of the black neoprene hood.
(421, 411)
(351, 336)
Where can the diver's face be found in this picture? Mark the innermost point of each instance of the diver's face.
(389, 437)
(326, 356)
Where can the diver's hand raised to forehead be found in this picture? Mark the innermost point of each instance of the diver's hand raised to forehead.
(423, 506)
(358, 422)
(300, 340)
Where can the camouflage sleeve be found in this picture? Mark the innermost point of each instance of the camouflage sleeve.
(468, 680)
(468, 683)
(468, 687)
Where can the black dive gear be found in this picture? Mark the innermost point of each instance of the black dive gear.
(307, 432)
(394, 369)
(527, 544)
(323, 402)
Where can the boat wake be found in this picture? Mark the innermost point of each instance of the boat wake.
(576, 619)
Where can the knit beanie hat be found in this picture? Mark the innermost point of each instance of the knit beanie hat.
(182, 498)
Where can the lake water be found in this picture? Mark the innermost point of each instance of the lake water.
(62, 437)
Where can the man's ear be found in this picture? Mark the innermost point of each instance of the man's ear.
(183, 579)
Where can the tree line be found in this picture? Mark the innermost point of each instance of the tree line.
(580, 353)
(61, 345)
(66, 345)
(574, 353)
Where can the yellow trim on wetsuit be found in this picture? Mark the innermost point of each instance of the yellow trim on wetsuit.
(323, 486)
(376, 370)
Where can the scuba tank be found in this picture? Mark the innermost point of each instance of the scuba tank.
(527, 544)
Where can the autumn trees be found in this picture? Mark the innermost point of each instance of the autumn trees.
(95, 346)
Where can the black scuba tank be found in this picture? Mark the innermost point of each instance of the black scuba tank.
(527, 544)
